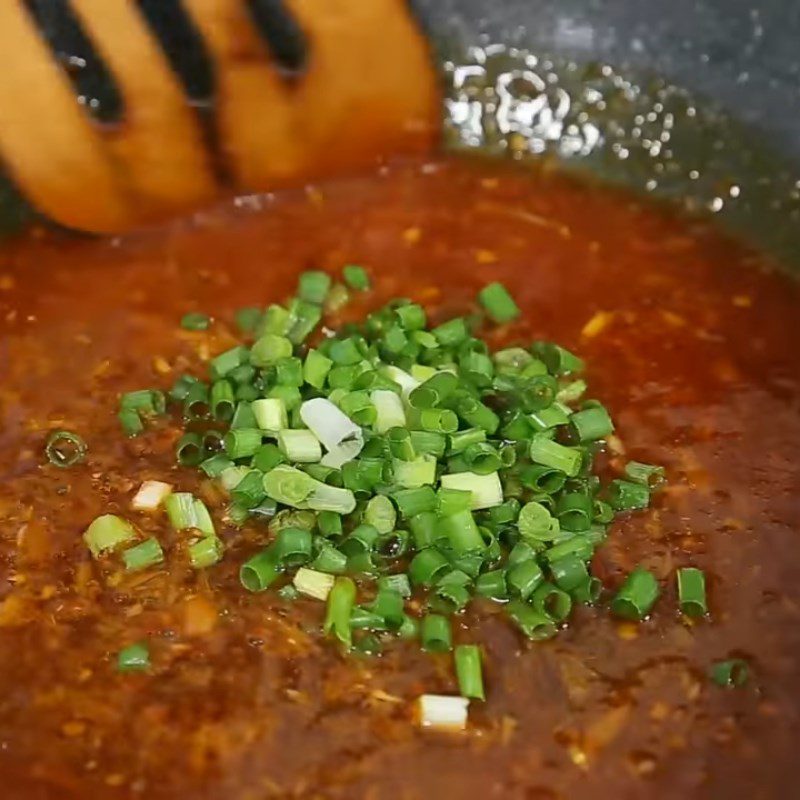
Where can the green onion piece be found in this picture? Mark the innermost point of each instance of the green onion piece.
(487, 491)
(552, 602)
(423, 529)
(316, 368)
(345, 352)
(388, 605)
(433, 391)
(429, 442)
(647, 474)
(520, 553)
(535, 522)
(260, 571)
(636, 596)
(427, 567)
(185, 511)
(462, 440)
(196, 403)
(469, 672)
(66, 449)
(558, 360)
(550, 417)
(571, 392)
(400, 446)
(492, 584)
(548, 453)
(365, 619)
(222, 400)
(221, 365)
(312, 583)
(216, 465)
(411, 502)
(329, 523)
(477, 415)
(144, 555)
(389, 410)
(147, 402)
(313, 286)
(288, 485)
(356, 277)
(397, 583)
(206, 552)
(189, 450)
(340, 605)
(267, 457)
(289, 394)
(331, 498)
(361, 540)
(580, 546)
(134, 658)
(569, 573)
(574, 511)
(304, 318)
(534, 624)
(627, 496)
(587, 592)
(181, 387)
(591, 424)
(194, 321)
(453, 501)
(270, 414)
(293, 546)
(270, 348)
(249, 491)
(276, 320)
(452, 332)
(242, 442)
(414, 474)
(435, 634)
(288, 593)
(462, 532)
(602, 512)
(692, 592)
(338, 297)
(381, 514)
(130, 421)
(243, 416)
(106, 533)
(498, 303)
(524, 578)
(482, 458)
(247, 319)
(329, 559)
(504, 514)
(730, 674)
(301, 446)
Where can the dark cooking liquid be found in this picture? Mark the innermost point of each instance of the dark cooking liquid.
(695, 356)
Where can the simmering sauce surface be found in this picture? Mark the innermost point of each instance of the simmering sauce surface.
(695, 355)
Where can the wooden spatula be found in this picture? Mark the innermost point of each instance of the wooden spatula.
(365, 89)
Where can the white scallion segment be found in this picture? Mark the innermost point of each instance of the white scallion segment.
(340, 455)
(341, 437)
(421, 372)
(270, 414)
(331, 498)
(230, 477)
(301, 447)
(487, 491)
(413, 474)
(151, 495)
(406, 382)
(390, 410)
(312, 583)
(443, 711)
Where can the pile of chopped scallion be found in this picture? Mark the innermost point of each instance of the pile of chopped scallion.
(398, 459)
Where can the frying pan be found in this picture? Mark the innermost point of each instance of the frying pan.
(693, 101)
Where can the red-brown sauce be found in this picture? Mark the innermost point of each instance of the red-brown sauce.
(696, 358)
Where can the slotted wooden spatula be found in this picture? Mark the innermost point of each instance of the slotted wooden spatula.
(359, 86)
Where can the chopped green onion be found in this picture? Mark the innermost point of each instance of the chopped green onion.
(591, 424)
(730, 674)
(452, 501)
(312, 583)
(427, 567)
(247, 319)
(627, 496)
(314, 286)
(65, 449)
(189, 450)
(221, 365)
(443, 712)
(270, 348)
(331, 498)
(552, 602)
(329, 559)
(134, 658)
(414, 474)
(194, 321)
(185, 511)
(646, 474)
(381, 514)
(107, 532)
(636, 596)
(548, 453)
(524, 578)
(242, 442)
(206, 552)
(130, 421)
(411, 502)
(144, 555)
(389, 409)
(270, 414)
(397, 583)
(469, 672)
(356, 277)
(692, 592)
(535, 522)
(487, 491)
(435, 633)
(574, 511)
(329, 523)
(533, 623)
(569, 572)
(341, 600)
(150, 495)
(258, 572)
(388, 605)
(498, 303)
(462, 532)
(299, 446)
(492, 584)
